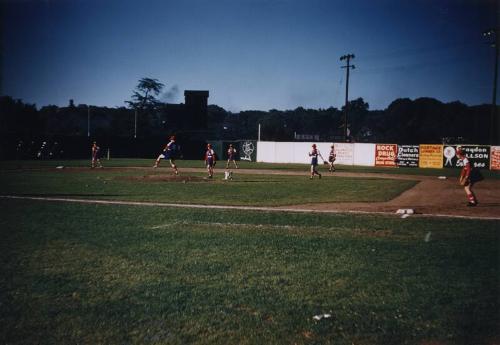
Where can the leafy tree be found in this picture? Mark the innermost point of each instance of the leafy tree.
(357, 114)
(144, 101)
(145, 93)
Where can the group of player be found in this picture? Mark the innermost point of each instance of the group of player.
(170, 151)
(210, 158)
(314, 154)
(468, 175)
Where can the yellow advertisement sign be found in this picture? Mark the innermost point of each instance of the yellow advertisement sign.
(431, 156)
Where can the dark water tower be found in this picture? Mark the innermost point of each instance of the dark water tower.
(196, 104)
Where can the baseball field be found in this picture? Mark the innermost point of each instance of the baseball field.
(129, 254)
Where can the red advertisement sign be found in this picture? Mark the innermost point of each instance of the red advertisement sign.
(495, 158)
(385, 155)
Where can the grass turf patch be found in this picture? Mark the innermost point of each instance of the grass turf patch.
(249, 190)
(75, 273)
(144, 163)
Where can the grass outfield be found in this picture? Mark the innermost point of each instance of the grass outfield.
(103, 274)
(121, 162)
(249, 190)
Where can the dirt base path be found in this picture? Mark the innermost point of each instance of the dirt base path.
(431, 196)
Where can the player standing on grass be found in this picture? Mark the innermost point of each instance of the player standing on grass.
(168, 153)
(314, 161)
(231, 156)
(210, 160)
(96, 156)
(468, 176)
(331, 158)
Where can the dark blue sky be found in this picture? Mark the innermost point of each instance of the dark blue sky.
(250, 54)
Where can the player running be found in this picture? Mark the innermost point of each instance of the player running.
(314, 161)
(231, 156)
(210, 160)
(96, 153)
(168, 153)
(331, 158)
(468, 176)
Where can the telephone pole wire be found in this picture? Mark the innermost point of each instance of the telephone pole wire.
(347, 57)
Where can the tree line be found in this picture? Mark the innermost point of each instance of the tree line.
(404, 121)
(423, 120)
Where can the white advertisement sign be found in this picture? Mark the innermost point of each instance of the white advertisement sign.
(345, 153)
(364, 154)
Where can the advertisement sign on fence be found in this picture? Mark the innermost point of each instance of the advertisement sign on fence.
(408, 156)
(345, 153)
(495, 158)
(248, 150)
(477, 154)
(430, 156)
(385, 155)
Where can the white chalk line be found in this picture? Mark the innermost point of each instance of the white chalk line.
(229, 207)
(184, 222)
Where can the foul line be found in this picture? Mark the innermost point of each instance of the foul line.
(227, 207)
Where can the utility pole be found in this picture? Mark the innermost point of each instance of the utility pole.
(347, 57)
(491, 34)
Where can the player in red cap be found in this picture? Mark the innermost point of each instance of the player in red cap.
(466, 177)
(314, 161)
(210, 160)
(169, 152)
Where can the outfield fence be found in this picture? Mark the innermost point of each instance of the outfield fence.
(382, 155)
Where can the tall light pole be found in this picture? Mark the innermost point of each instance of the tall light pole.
(347, 57)
(492, 36)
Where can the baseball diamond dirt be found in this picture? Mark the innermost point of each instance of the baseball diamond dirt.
(431, 196)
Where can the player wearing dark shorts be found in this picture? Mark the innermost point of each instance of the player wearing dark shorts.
(331, 158)
(231, 156)
(168, 153)
(210, 160)
(314, 161)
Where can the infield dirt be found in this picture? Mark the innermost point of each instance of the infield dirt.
(430, 196)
